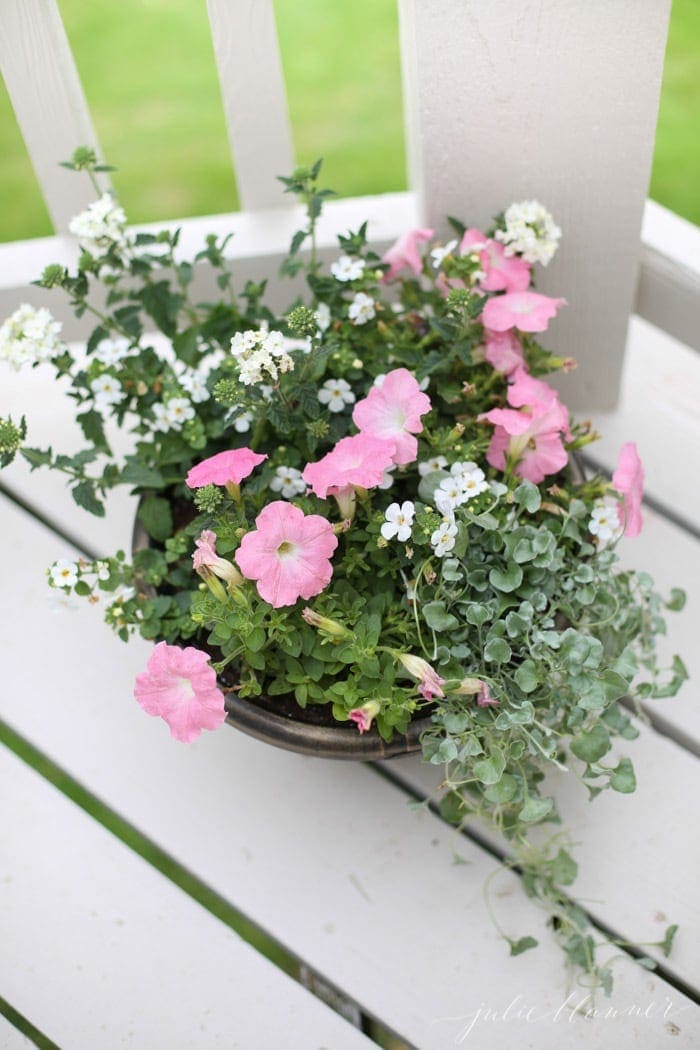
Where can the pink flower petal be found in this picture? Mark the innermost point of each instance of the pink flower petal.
(405, 254)
(628, 479)
(503, 273)
(526, 311)
(393, 412)
(179, 686)
(358, 461)
(232, 465)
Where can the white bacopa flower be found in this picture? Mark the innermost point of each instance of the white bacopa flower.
(347, 268)
(530, 231)
(437, 255)
(471, 478)
(101, 569)
(160, 412)
(29, 337)
(444, 504)
(361, 309)
(605, 523)
(336, 394)
(64, 573)
(101, 225)
(443, 539)
(428, 466)
(288, 482)
(399, 521)
(111, 351)
(323, 316)
(242, 423)
(194, 382)
(179, 410)
(107, 390)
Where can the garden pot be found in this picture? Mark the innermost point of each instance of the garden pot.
(306, 731)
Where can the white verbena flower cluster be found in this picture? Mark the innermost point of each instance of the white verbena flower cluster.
(29, 337)
(101, 225)
(260, 353)
(530, 231)
(112, 351)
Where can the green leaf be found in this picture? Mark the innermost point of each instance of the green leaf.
(506, 579)
(141, 475)
(564, 868)
(667, 943)
(452, 808)
(84, 495)
(591, 746)
(92, 427)
(437, 617)
(502, 791)
(528, 497)
(156, 517)
(522, 945)
(476, 614)
(677, 600)
(526, 676)
(536, 809)
(490, 770)
(497, 651)
(623, 778)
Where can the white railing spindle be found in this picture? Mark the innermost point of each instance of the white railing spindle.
(41, 78)
(253, 91)
(554, 99)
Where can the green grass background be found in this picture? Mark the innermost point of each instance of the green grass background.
(148, 71)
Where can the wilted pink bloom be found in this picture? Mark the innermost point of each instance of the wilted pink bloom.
(484, 698)
(405, 253)
(230, 466)
(503, 351)
(288, 554)
(365, 715)
(179, 686)
(526, 311)
(628, 479)
(430, 682)
(358, 462)
(393, 412)
(503, 273)
(205, 559)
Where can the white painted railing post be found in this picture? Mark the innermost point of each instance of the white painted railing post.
(255, 103)
(43, 84)
(554, 99)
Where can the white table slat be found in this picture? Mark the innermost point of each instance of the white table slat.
(255, 102)
(327, 856)
(41, 78)
(101, 950)
(11, 1038)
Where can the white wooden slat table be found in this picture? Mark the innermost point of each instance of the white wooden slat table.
(101, 950)
(366, 893)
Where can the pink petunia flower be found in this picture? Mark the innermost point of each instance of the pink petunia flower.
(230, 466)
(503, 351)
(531, 432)
(430, 682)
(358, 462)
(405, 253)
(365, 715)
(205, 560)
(503, 273)
(288, 554)
(393, 412)
(526, 311)
(628, 480)
(484, 697)
(179, 686)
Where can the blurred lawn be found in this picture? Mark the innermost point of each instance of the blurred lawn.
(148, 70)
